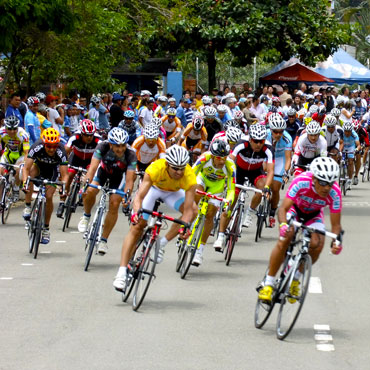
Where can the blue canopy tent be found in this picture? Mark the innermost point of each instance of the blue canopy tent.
(344, 69)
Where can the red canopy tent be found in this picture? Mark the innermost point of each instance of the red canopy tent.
(294, 74)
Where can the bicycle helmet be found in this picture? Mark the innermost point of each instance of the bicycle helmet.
(347, 126)
(87, 127)
(171, 100)
(325, 169)
(310, 97)
(177, 156)
(129, 114)
(356, 124)
(258, 132)
(340, 100)
(206, 100)
(33, 100)
(238, 114)
(231, 123)
(156, 121)
(210, 112)
(313, 109)
(273, 109)
(151, 131)
(222, 108)
(40, 95)
(335, 112)
(163, 99)
(171, 112)
(233, 134)
(292, 112)
(322, 110)
(220, 148)
(11, 122)
(94, 100)
(330, 120)
(275, 99)
(117, 136)
(198, 123)
(50, 136)
(276, 122)
(313, 128)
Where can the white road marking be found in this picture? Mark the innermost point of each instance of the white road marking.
(60, 241)
(45, 252)
(323, 338)
(315, 285)
(27, 264)
(356, 204)
(6, 278)
(74, 232)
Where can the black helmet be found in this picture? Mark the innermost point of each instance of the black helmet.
(220, 148)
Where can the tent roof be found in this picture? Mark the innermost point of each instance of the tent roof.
(294, 73)
(343, 68)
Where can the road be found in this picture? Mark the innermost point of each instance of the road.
(56, 316)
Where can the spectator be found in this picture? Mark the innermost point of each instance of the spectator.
(256, 108)
(13, 108)
(116, 112)
(31, 122)
(297, 105)
(287, 106)
(146, 113)
(249, 116)
(330, 100)
(23, 106)
(285, 96)
(53, 115)
(182, 109)
(103, 113)
(198, 99)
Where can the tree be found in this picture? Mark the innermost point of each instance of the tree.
(265, 28)
(22, 23)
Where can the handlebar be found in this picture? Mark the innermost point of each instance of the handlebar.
(45, 182)
(246, 188)
(107, 190)
(9, 165)
(78, 169)
(163, 216)
(209, 195)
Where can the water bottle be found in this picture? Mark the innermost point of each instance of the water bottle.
(289, 265)
(151, 222)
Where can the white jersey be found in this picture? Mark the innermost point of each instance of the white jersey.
(306, 149)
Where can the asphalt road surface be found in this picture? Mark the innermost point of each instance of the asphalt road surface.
(56, 316)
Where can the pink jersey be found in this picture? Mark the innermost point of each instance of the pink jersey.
(302, 193)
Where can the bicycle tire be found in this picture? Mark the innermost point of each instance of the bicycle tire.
(146, 272)
(260, 221)
(286, 320)
(93, 238)
(364, 173)
(180, 254)
(266, 213)
(368, 171)
(31, 226)
(192, 245)
(71, 205)
(38, 227)
(2, 196)
(216, 224)
(7, 204)
(233, 237)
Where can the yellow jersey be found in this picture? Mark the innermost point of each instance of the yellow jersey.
(157, 172)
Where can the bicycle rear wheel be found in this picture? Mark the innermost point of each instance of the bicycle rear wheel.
(38, 227)
(260, 221)
(7, 204)
(192, 245)
(93, 236)
(146, 272)
(289, 312)
(70, 204)
(365, 172)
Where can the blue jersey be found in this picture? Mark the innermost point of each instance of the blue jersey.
(350, 142)
(225, 118)
(133, 130)
(284, 144)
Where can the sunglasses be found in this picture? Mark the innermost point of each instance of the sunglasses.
(258, 141)
(51, 146)
(12, 129)
(88, 135)
(278, 131)
(325, 183)
(220, 158)
(178, 168)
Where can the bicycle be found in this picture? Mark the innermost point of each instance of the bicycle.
(263, 212)
(94, 231)
(366, 169)
(343, 177)
(296, 259)
(186, 249)
(36, 223)
(142, 265)
(71, 202)
(7, 183)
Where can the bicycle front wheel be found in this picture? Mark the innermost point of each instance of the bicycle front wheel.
(38, 227)
(292, 300)
(70, 204)
(7, 204)
(233, 236)
(181, 254)
(146, 272)
(260, 221)
(93, 237)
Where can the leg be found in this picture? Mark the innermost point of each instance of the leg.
(209, 222)
(112, 215)
(316, 246)
(256, 200)
(89, 198)
(50, 190)
(350, 167)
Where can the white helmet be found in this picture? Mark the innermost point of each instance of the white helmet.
(198, 123)
(313, 128)
(171, 112)
(291, 112)
(210, 112)
(348, 126)
(171, 100)
(325, 169)
(163, 99)
(151, 131)
(222, 108)
(233, 134)
(40, 95)
(94, 100)
(177, 156)
(313, 109)
(117, 136)
(156, 121)
(335, 112)
(206, 100)
(258, 132)
(330, 121)
(276, 122)
(238, 114)
(340, 100)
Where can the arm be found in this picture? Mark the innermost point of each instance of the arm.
(358, 145)
(283, 209)
(345, 113)
(336, 228)
(27, 168)
(130, 179)
(188, 214)
(32, 132)
(288, 160)
(142, 192)
(270, 174)
(92, 169)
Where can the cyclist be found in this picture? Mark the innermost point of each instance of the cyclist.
(282, 143)
(31, 121)
(242, 122)
(305, 201)
(292, 123)
(15, 145)
(363, 136)
(80, 149)
(309, 146)
(162, 132)
(336, 113)
(132, 127)
(172, 180)
(351, 144)
(111, 160)
(333, 135)
(214, 170)
(222, 113)
(231, 136)
(212, 124)
(148, 147)
(319, 116)
(46, 159)
(360, 110)
(160, 110)
(172, 126)
(194, 137)
(249, 154)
